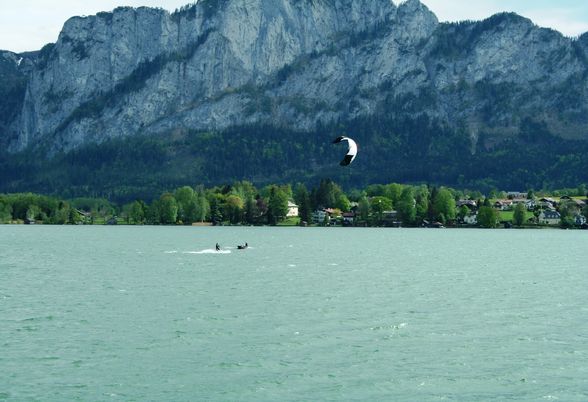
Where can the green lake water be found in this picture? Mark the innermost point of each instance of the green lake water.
(96, 313)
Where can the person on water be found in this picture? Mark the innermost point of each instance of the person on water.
(217, 247)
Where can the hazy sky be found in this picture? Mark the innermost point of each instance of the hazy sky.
(30, 24)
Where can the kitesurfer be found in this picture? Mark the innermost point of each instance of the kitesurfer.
(217, 247)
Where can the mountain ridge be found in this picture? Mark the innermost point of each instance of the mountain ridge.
(302, 66)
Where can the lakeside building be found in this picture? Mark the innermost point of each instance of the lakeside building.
(318, 216)
(292, 209)
(549, 217)
(471, 219)
(348, 218)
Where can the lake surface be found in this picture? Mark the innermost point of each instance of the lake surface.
(96, 313)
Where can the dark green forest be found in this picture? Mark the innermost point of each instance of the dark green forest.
(408, 150)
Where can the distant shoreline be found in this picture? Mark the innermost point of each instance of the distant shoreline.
(211, 225)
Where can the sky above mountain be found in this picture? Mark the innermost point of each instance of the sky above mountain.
(30, 24)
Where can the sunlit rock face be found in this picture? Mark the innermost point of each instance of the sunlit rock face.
(288, 63)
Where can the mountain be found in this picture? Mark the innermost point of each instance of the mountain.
(140, 99)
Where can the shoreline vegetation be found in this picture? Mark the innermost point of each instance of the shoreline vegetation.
(377, 205)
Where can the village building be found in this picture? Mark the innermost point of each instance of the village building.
(503, 205)
(549, 217)
(390, 218)
(86, 217)
(516, 201)
(516, 195)
(348, 218)
(292, 209)
(318, 216)
(471, 204)
(547, 202)
(530, 205)
(578, 204)
(470, 219)
(546, 205)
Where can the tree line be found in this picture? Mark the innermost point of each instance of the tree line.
(243, 203)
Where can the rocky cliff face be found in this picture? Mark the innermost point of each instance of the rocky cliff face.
(289, 63)
(14, 70)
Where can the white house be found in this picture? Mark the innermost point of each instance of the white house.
(530, 204)
(292, 209)
(549, 217)
(470, 219)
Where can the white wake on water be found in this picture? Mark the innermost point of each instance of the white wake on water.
(208, 251)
